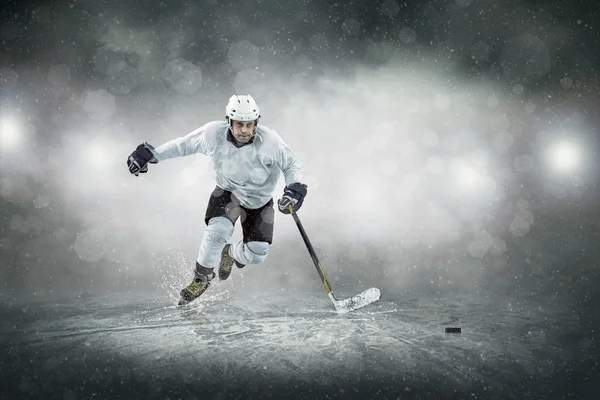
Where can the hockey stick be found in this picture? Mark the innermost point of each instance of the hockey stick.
(353, 303)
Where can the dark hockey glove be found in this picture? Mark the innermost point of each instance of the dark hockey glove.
(138, 161)
(292, 194)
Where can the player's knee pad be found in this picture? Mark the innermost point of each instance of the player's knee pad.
(257, 251)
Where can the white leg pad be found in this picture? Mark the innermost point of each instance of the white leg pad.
(216, 236)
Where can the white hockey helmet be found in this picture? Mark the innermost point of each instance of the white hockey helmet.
(242, 108)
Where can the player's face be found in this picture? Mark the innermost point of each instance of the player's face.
(243, 130)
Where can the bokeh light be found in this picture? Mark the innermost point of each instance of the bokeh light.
(565, 156)
(11, 133)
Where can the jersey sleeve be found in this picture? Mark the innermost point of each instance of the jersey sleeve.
(194, 142)
(289, 164)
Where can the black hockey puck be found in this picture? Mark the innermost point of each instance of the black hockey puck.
(453, 330)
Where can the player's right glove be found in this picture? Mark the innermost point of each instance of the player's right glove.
(138, 161)
(293, 194)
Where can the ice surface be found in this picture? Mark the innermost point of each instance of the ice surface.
(273, 347)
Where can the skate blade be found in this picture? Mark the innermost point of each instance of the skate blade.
(183, 301)
(355, 302)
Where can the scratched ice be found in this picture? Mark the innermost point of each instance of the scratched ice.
(268, 341)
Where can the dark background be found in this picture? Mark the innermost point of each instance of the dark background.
(449, 146)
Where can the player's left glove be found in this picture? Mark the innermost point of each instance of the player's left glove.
(138, 161)
(292, 194)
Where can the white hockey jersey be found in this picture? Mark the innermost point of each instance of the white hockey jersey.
(250, 171)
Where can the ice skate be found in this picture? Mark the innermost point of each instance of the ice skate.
(201, 282)
(226, 263)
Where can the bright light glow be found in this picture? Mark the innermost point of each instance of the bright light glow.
(565, 156)
(468, 177)
(100, 156)
(10, 133)
(472, 180)
(98, 150)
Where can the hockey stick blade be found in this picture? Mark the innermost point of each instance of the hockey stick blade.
(355, 302)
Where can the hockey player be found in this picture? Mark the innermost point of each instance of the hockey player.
(248, 159)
